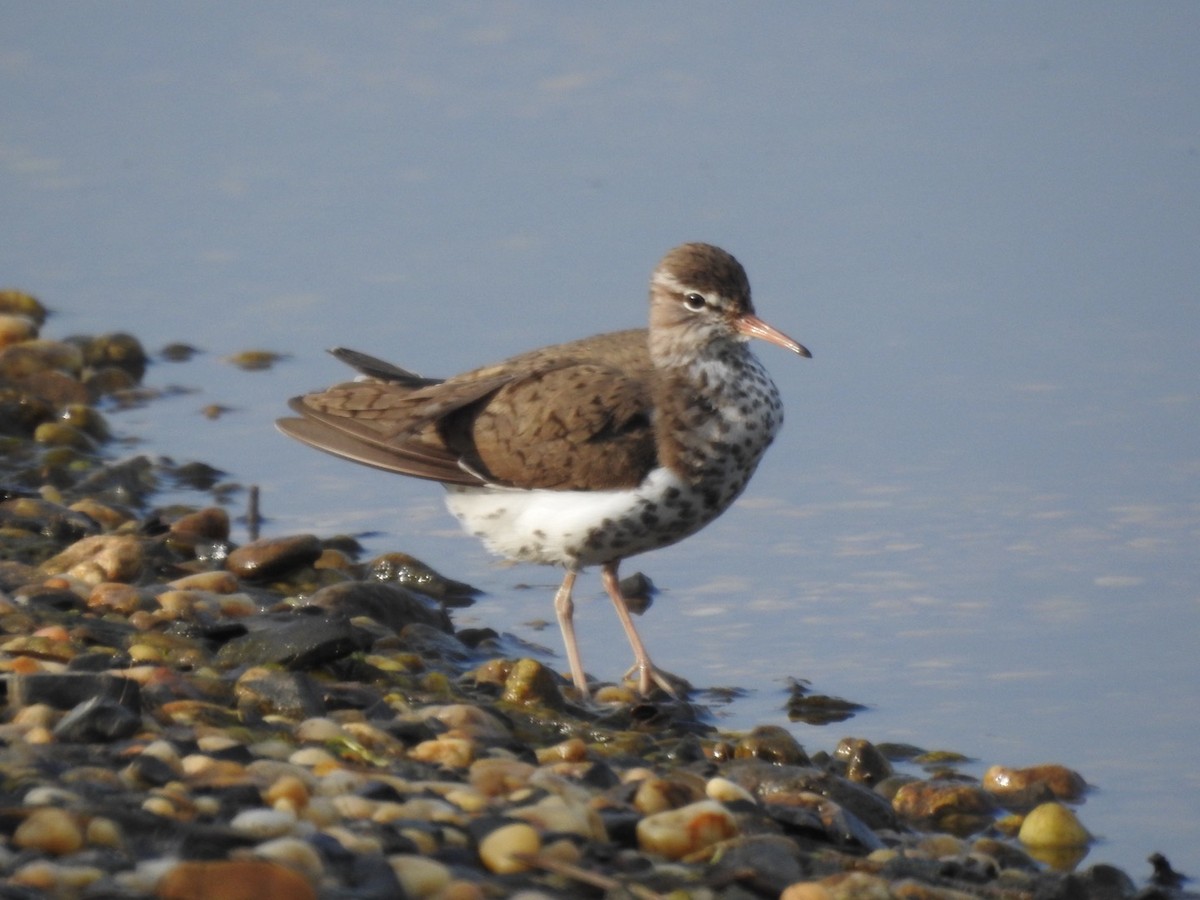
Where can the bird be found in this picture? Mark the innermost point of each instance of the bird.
(583, 453)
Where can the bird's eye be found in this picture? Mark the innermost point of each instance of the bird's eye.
(695, 302)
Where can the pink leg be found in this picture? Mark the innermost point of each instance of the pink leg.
(647, 674)
(564, 609)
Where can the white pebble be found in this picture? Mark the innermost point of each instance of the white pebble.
(725, 791)
(293, 852)
(263, 824)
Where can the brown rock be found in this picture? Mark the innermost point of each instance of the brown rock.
(234, 880)
(28, 357)
(100, 558)
(1025, 788)
(50, 830)
(772, 744)
(274, 557)
(19, 303)
(15, 328)
(960, 809)
(864, 763)
(210, 523)
(677, 833)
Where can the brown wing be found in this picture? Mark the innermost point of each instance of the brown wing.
(581, 426)
(544, 419)
(387, 425)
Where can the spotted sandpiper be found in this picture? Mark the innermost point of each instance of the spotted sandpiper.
(584, 453)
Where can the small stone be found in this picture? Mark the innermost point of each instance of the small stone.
(655, 795)
(773, 859)
(118, 350)
(415, 575)
(104, 832)
(210, 523)
(271, 558)
(570, 750)
(677, 833)
(319, 729)
(294, 853)
(30, 357)
(108, 516)
(418, 875)
(500, 848)
(391, 605)
(1053, 825)
(14, 302)
(14, 329)
(59, 434)
(178, 351)
(39, 875)
(298, 642)
(66, 690)
(49, 830)
(725, 791)
(453, 752)
(806, 890)
(255, 360)
(100, 558)
(104, 381)
(234, 880)
(498, 777)
(263, 824)
(554, 814)
(86, 418)
(772, 744)
(288, 793)
(1024, 788)
(468, 719)
(266, 692)
(120, 598)
(958, 808)
(864, 886)
(864, 763)
(529, 682)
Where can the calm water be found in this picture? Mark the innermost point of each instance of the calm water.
(982, 517)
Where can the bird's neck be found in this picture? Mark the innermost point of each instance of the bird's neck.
(715, 414)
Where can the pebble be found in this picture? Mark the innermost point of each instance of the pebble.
(1053, 825)
(725, 791)
(234, 880)
(100, 558)
(263, 823)
(655, 795)
(772, 744)
(15, 329)
(677, 833)
(15, 302)
(49, 830)
(419, 876)
(269, 558)
(1017, 788)
(955, 807)
(500, 849)
(37, 355)
(864, 762)
(294, 853)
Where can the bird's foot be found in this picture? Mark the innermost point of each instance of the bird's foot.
(649, 675)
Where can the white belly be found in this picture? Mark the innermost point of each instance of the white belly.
(580, 528)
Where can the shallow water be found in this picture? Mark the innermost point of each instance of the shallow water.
(981, 518)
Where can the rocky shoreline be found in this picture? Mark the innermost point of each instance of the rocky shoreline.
(187, 718)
